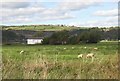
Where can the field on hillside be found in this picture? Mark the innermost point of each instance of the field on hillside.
(40, 28)
(60, 61)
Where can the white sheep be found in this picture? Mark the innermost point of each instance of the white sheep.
(72, 47)
(80, 56)
(21, 52)
(90, 55)
(64, 48)
(95, 48)
(85, 47)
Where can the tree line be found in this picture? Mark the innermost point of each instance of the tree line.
(65, 37)
(77, 36)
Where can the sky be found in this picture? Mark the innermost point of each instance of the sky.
(82, 13)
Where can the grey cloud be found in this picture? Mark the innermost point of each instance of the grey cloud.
(12, 5)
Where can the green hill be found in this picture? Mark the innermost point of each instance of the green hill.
(41, 27)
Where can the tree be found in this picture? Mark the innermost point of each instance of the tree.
(38, 34)
(91, 36)
(65, 37)
(8, 35)
(59, 37)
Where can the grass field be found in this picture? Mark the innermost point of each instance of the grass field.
(56, 62)
(42, 28)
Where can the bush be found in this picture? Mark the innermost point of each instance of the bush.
(63, 37)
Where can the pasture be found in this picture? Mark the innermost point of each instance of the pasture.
(60, 61)
(42, 28)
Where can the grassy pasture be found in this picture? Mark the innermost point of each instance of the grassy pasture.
(41, 28)
(56, 62)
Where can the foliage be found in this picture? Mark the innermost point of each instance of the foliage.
(8, 35)
(38, 34)
(57, 38)
(63, 37)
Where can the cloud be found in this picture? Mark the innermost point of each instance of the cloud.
(107, 22)
(105, 13)
(77, 5)
(20, 11)
(57, 0)
(84, 0)
(15, 1)
(39, 17)
(58, 16)
(15, 4)
(20, 19)
(17, 12)
(30, 12)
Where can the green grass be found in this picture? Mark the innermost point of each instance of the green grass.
(54, 62)
(42, 28)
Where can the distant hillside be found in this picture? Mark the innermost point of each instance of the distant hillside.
(17, 35)
(41, 27)
(31, 33)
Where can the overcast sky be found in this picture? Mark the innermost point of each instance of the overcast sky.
(74, 12)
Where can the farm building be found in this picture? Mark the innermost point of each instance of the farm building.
(36, 40)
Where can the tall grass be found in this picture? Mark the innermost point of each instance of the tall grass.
(54, 62)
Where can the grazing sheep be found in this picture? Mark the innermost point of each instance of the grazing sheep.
(21, 52)
(85, 47)
(90, 55)
(64, 48)
(72, 47)
(80, 56)
(95, 48)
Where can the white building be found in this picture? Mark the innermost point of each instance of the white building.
(34, 40)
